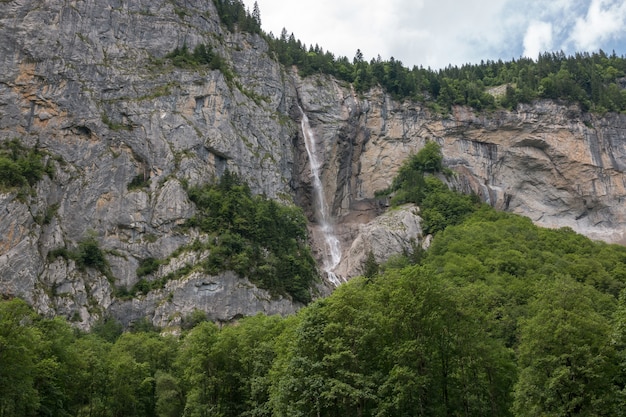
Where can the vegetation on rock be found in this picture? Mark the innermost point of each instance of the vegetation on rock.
(254, 236)
(21, 166)
(88, 254)
(416, 183)
(593, 80)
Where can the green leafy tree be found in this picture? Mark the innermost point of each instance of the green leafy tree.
(91, 375)
(199, 373)
(618, 342)
(55, 382)
(18, 360)
(429, 158)
(170, 401)
(130, 391)
(565, 361)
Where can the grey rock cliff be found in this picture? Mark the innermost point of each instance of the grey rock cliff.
(553, 163)
(86, 82)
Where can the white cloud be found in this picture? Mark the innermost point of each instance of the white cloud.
(603, 21)
(436, 33)
(538, 38)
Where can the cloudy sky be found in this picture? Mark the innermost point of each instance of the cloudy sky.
(436, 33)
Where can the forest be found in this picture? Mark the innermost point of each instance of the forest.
(498, 317)
(595, 81)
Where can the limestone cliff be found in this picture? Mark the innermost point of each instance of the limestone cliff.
(87, 82)
(550, 162)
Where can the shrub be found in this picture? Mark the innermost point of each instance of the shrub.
(440, 206)
(91, 256)
(147, 266)
(21, 166)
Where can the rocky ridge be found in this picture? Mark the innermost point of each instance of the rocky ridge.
(90, 86)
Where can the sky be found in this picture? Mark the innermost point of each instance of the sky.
(438, 33)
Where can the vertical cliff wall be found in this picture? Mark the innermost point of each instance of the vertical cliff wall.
(87, 83)
(548, 161)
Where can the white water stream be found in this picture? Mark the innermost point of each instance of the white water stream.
(332, 252)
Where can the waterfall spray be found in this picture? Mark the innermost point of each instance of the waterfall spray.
(332, 253)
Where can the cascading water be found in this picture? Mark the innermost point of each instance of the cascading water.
(332, 253)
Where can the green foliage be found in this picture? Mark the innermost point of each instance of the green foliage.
(439, 205)
(590, 80)
(255, 237)
(226, 372)
(202, 56)
(170, 398)
(108, 329)
(192, 319)
(429, 158)
(138, 182)
(21, 167)
(234, 16)
(18, 359)
(147, 266)
(370, 266)
(400, 345)
(499, 318)
(48, 214)
(566, 363)
(87, 255)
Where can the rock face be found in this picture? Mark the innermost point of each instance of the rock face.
(87, 83)
(550, 162)
(391, 233)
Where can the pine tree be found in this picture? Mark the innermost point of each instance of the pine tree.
(256, 14)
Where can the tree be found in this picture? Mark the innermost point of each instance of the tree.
(91, 256)
(199, 374)
(618, 342)
(370, 267)
(358, 57)
(170, 401)
(429, 158)
(55, 382)
(91, 375)
(18, 359)
(256, 14)
(130, 386)
(564, 357)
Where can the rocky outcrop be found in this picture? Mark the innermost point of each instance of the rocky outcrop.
(87, 83)
(397, 231)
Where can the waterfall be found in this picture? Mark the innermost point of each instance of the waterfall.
(332, 253)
